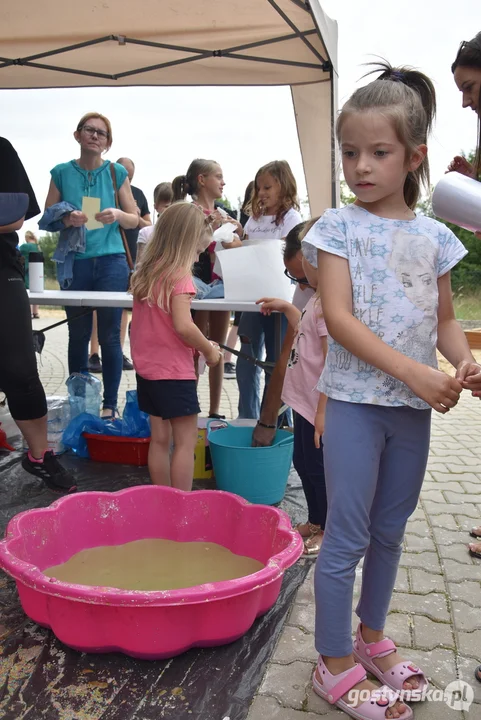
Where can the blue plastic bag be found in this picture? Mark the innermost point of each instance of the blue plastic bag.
(134, 423)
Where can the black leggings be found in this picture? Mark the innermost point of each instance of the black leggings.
(19, 378)
(309, 464)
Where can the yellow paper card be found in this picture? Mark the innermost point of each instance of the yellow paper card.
(90, 207)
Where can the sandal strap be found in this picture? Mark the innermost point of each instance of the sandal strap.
(380, 649)
(347, 681)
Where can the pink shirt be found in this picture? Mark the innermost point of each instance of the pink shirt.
(306, 362)
(158, 352)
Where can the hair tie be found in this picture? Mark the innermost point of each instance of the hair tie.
(398, 76)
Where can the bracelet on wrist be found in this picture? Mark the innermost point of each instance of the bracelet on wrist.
(265, 425)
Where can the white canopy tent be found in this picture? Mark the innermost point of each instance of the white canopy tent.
(66, 43)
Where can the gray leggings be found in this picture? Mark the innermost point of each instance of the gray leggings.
(375, 459)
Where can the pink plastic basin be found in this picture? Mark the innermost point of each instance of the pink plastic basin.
(147, 624)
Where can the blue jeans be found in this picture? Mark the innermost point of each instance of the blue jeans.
(208, 291)
(108, 273)
(256, 332)
(375, 459)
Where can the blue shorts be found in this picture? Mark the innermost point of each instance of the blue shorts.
(167, 399)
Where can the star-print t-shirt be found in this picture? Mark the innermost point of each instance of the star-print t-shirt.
(394, 267)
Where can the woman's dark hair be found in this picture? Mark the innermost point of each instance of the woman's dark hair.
(407, 97)
(469, 55)
(292, 242)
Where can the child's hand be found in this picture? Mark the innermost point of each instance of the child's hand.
(319, 428)
(212, 358)
(272, 304)
(469, 375)
(435, 387)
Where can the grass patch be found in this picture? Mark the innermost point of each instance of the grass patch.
(467, 305)
(51, 284)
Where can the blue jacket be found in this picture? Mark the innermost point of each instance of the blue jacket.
(72, 240)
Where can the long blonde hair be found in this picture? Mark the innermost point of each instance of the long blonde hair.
(181, 232)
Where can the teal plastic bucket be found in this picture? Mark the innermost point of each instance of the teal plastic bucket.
(258, 474)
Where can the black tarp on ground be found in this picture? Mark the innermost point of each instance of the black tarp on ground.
(41, 678)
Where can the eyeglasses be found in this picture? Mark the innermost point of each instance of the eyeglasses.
(301, 281)
(92, 130)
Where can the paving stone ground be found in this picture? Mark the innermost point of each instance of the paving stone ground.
(435, 613)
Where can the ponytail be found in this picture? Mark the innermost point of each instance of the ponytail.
(180, 188)
(187, 184)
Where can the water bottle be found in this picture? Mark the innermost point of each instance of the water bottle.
(84, 392)
(35, 272)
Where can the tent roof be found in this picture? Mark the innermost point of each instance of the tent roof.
(66, 43)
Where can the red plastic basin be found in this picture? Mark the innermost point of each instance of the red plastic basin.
(119, 450)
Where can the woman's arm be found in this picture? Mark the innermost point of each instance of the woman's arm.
(53, 195)
(76, 218)
(262, 436)
(127, 215)
(436, 388)
(189, 332)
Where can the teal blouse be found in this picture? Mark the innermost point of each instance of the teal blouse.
(73, 183)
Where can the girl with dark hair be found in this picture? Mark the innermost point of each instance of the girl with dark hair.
(384, 279)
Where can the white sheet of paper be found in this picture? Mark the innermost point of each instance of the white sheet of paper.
(90, 207)
(255, 270)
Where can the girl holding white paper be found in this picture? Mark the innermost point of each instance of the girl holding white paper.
(204, 182)
(87, 183)
(274, 210)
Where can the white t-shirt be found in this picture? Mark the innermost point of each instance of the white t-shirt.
(145, 234)
(265, 226)
(394, 267)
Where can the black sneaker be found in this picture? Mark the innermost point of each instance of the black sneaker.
(126, 363)
(95, 364)
(229, 370)
(55, 476)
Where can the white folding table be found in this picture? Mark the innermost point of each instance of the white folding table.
(84, 298)
(89, 299)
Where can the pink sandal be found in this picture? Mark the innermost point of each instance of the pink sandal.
(333, 687)
(365, 653)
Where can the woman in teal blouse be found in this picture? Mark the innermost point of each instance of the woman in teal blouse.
(103, 265)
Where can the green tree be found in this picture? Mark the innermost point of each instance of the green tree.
(347, 197)
(47, 244)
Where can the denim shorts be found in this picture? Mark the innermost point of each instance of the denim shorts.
(167, 399)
